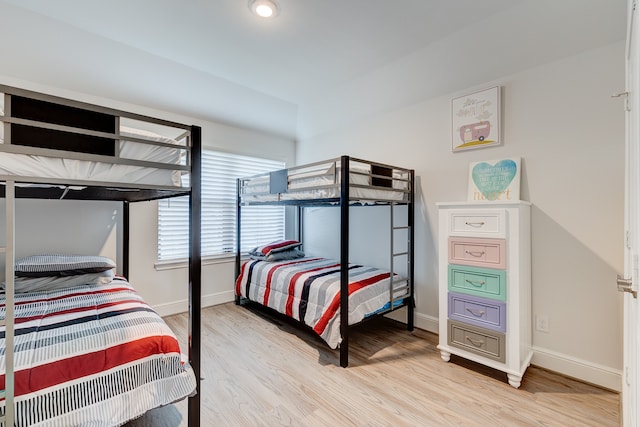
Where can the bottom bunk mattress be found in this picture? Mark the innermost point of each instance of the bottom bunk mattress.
(91, 355)
(308, 290)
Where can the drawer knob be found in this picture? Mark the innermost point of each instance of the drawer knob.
(476, 283)
(477, 343)
(474, 224)
(477, 313)
(476, 254)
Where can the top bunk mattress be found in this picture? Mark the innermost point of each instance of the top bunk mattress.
(57, 168)
(35, 140)
(368, 183)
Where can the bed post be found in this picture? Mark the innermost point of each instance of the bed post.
(195, 273)
(125, 239)
(238, 237)
(299, 224)
(344, 261)
(411, 222)
(9, 318)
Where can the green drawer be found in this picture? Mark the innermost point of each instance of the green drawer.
(481, 282)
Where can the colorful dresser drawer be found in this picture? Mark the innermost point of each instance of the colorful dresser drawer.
(481, 282)
(482, 312)
(488, 223)
(490, 253)
(481, 341)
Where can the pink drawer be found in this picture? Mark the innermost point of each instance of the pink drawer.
(488, 253)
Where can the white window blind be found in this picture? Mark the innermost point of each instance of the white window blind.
(260, 224)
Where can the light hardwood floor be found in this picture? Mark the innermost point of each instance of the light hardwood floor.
(260, 370)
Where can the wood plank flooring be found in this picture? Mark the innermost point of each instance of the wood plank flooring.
(260, 370)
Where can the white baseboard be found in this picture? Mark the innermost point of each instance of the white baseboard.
(177, 307)
(428, 323)
(583, 370)
(422, 321)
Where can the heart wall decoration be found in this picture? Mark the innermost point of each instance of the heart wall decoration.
(494, 180)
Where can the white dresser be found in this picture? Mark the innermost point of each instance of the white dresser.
(485, 284)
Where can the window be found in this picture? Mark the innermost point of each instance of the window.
(260, 224)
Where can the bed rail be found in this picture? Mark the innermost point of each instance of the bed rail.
(9, 250)
(39, 132)
(320, 182)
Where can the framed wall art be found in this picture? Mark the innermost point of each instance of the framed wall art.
(475, 120)
(494, 180)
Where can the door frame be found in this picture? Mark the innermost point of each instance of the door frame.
(631, 346)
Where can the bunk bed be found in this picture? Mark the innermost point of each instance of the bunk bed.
(56, 148)
(329, 296)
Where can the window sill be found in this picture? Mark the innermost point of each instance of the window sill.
(184, 263)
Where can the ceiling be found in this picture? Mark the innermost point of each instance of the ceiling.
(214, 60)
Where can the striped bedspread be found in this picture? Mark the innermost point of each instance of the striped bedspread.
(91, 355)
(308, 289)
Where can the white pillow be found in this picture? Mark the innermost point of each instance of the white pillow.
(61, 265)
(52, 283)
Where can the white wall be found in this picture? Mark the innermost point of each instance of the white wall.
(570, 134)
(65, 226)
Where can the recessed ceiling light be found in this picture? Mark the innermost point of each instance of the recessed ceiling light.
(264, 8)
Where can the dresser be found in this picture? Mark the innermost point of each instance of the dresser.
(485, 284)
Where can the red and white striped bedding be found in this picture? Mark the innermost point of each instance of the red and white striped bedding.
(92, 355)
(308, 289)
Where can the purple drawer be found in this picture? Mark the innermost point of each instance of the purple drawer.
(485, 313)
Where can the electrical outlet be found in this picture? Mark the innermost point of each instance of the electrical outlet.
(542, 323)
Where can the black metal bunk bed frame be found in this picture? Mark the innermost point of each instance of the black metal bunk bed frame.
(65, 125)
(380, 175)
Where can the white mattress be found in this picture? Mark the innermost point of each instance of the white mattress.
(82, 170)
(311, 186)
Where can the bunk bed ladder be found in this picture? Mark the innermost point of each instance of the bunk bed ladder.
(401, 284)
(9, 250)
